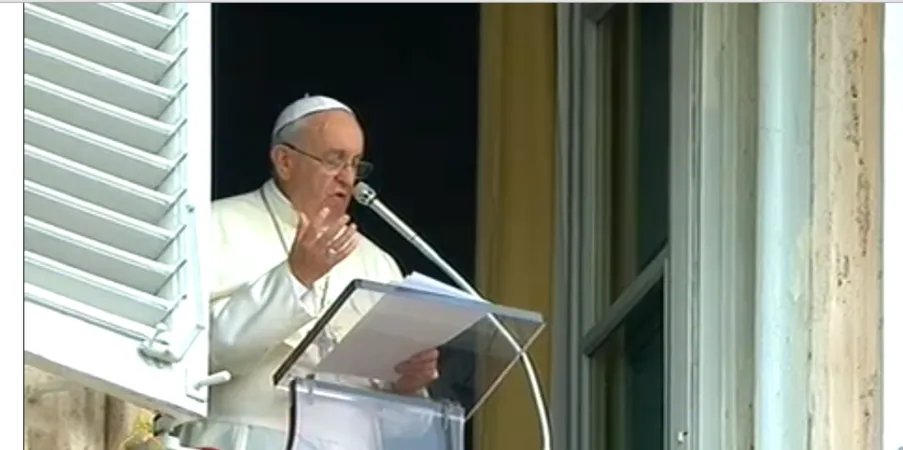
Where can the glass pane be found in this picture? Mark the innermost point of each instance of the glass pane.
(634, 42)
(652, 179)
(629, 381)
(613, 134)
(633, 132)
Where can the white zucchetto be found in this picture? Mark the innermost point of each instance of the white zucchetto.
(306, 106)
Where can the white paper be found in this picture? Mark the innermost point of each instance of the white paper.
(396, 328)
(422, 282)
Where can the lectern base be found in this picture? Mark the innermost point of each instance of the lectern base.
(230, 436)
(328, 416)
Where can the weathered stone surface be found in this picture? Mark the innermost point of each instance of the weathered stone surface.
(846, 259)
(76, 418)
(68, 420)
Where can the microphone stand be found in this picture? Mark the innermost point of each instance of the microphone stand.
(366, 196)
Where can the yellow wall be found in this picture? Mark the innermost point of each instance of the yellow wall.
(516, 185)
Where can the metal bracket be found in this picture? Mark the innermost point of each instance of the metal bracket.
(160, 347)
(308, 385)
(447, 407)
(164, 346)
(156, 346)
(194, 388)
(448, 412)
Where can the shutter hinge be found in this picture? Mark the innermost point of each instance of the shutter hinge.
(167, 346)
(156, 346)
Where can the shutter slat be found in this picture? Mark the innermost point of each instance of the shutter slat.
(96, 45)
(110, 199)
(93, 115)
(122, 19)
(94, 257)
(95, 150)
(151, 7)
(95, 222)
(94, 186)
(94, 291)
(62, 303)
(95, 80)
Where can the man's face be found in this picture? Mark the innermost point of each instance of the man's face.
(317, 168)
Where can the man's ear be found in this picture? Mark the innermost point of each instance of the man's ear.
(281, 162)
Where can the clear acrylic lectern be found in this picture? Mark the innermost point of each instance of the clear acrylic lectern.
(338, 376)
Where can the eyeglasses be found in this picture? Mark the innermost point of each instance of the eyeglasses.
(335, 163)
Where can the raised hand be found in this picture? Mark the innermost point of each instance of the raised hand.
(319, 245)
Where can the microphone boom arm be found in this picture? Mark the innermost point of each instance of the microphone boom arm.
(366, 196)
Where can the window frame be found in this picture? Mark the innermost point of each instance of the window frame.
(701, 343)
(581, 231)
(713, 247)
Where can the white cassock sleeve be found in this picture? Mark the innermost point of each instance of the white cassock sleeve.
(257, 317)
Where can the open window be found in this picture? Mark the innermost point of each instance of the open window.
(628, 64)
(117, 148)
(617, 238)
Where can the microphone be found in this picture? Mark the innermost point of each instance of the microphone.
(366, 196)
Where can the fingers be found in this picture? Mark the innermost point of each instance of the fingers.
(426, 355)
(321, 216)
(303, 226)
(424, 373)
(320, 244)
(414, 366)
(345, 238)
(419, 362)
(417, 372)
(333, 232)
(314, 229)
(418, 376)
(342, 253)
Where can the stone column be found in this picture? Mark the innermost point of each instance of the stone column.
(846, 250)
(819, 303)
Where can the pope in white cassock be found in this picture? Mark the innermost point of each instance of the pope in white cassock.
(282, 254)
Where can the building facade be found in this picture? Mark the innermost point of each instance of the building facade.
(719, 200)
(695, 196)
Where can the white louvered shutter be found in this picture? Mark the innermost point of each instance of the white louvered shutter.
(113, 293)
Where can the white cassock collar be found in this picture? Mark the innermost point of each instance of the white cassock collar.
(281, 206)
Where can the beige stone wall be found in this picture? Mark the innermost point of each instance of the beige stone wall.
(845, 409)
(68, 420)
(75, 419)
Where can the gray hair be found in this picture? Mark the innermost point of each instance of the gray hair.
(291, 130)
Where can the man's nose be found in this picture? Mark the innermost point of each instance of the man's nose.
(347, 174)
